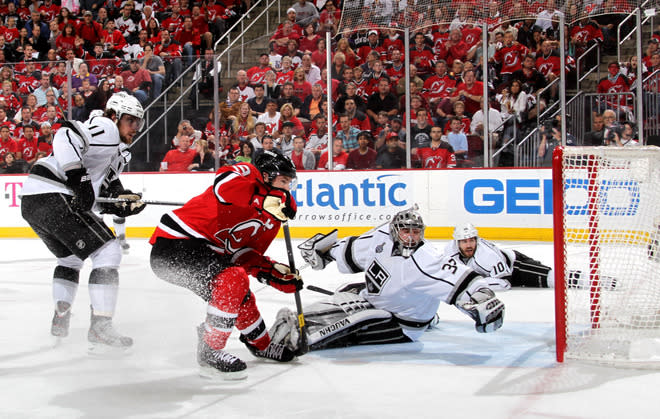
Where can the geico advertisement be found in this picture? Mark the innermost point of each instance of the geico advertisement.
(351, 198)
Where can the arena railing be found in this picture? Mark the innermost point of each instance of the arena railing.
(594, 49)
(652, 105)
(495, 157)
(633, 30)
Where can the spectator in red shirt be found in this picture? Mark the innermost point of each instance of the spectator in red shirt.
(170, 52)
(179, 159)
(454, 48)
(339, 157)
(281, 38)
(7, 144)
(90, 31)
(137, 80)
(363, 157)
(190, 40)
(470, 92)
(26, 147)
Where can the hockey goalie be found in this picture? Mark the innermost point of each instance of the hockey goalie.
(405, 281)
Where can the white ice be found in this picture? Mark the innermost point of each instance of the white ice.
(453, 372)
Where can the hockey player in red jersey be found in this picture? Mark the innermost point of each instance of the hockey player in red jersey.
(214, 241)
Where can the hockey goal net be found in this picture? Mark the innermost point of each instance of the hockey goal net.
(607, 256)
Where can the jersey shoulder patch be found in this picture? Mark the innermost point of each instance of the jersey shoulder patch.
(101, 131)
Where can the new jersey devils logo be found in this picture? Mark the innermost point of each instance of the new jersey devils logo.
(241, 234)
(545, 68)
(510, 59)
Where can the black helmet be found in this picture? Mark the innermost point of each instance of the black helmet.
(274, 164)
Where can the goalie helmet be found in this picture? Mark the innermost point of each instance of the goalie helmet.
(275, 164)
(124, 104)
(465, 231)
(407, 219)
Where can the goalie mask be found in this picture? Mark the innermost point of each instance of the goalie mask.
(407, 231)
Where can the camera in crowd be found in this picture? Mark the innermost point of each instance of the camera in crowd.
(613, 131)
(548, 125)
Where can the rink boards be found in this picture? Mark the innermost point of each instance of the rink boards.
(514, 204)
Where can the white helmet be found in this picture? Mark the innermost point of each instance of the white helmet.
(124, 104)
(465, 231)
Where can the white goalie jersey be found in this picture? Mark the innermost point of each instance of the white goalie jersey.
(410, 288)
(94, 145)
(489, 261)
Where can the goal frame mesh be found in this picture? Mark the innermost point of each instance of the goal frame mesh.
(607, 268)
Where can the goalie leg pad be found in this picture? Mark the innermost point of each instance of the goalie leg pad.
(485, 309)
(528, 272)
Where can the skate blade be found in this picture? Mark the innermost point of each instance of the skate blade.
(214, 374)
(56, 341)
(100, 350)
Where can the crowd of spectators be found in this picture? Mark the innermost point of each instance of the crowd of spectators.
(110, 46)
(280, 102)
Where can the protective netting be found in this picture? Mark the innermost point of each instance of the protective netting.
(421, 14)
(612, 257)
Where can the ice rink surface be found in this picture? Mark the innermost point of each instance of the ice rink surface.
(453, 372)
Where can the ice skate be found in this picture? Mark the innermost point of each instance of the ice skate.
(104, 339)
(123, 243)
(60, 325)
(275, 351)
(216, 363)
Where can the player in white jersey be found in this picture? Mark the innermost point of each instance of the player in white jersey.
(503, 268)
(57, 201)
(406, 279)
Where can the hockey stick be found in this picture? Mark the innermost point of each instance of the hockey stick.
(319, 290)
(303, 347)
(146, 201)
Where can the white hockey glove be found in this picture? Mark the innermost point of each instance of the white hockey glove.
(486, 310)
(285, 331)
(315, 250)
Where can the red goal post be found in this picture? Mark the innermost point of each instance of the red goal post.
(607, 258)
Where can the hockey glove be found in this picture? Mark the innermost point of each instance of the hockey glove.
(315, 250)
(486, 310)
(132, 205)
(278, 275)
(83, 192)
(280, 205)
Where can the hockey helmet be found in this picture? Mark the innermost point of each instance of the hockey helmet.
(275, 164)
(465, 231)
(124, 104)
(407, 219)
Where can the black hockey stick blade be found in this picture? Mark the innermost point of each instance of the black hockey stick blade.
(303, 347)
(319, 290)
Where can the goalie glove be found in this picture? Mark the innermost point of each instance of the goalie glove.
(316, 250)
(83, 192)
(486, 310)
(278, 276)
(280, 204)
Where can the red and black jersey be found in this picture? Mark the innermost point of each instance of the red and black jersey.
(619, 84)
(113, 41)
(28, 148)
(585, 33)
(228, 216)
(436, 158)
(98, 64)
(283, 77)
(11, 101)
(49, 12)
(183, 36)
(471, 35)
(510, 57)
(436, 87)
(257, 75)
(422, 59)
(390, 45)
(548, 64)
(6, 147)
(173, 49)
(27, 84)
(172, 23)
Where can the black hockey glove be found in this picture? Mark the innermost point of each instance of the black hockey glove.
(81, 184)
(131, 205)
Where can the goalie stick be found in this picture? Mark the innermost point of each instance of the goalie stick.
(303, 347)
(146, 201)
